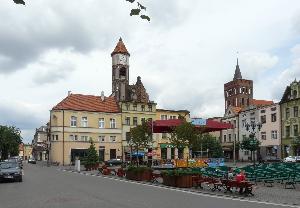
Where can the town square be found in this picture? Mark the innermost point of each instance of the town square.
(149, 103)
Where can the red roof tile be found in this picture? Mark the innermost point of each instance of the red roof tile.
(90, 103)
(261, 102)
(120, 48)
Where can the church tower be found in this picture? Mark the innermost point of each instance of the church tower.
(120, 71)
(239, 91)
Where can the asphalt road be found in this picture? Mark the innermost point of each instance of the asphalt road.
(47, 187)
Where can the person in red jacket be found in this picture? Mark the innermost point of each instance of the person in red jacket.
(241, 177)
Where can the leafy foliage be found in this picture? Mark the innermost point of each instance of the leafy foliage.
(92, 157)
(207, 141)
(136, 11)
(19, 2)
(140, 136)
(10, 138)
(183, 135)
(250, 144)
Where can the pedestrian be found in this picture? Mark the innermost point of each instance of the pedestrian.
(240, 178)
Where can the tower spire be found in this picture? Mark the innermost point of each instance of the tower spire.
(237, 73)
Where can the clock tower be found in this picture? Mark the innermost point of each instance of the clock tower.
(120, 71)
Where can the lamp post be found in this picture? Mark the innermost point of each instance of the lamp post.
(253, 128)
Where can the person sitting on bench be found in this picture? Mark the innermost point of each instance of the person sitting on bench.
(239, 179)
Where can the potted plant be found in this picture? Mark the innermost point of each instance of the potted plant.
(139, 173)
(91, 160)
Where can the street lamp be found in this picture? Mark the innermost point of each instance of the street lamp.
(253, 128)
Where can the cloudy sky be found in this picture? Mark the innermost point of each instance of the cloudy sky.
(184, 55)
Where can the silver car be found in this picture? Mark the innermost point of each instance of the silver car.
(10, 171)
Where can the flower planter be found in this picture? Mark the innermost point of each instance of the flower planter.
(169, 180)
(184, 181)
(144, 175)
(91, 167)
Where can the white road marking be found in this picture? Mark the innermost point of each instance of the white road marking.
(194, 193)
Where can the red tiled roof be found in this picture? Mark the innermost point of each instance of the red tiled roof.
(261, 102)
(120, 48)
(91, 103)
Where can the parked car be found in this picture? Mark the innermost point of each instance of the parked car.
(10, 171)
(271, 159)
(114, 162)
(298, 159)
(290, 159)
(32, 161)
(16, 160)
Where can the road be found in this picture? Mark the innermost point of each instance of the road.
(47, 187)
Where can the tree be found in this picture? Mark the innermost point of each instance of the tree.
(251, 144)
(207, 142)
(10, 138)
(92, 158)
(140, 136)
(183, 135)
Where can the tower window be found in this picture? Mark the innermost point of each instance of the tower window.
(123, 72)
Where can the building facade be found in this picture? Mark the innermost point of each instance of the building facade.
(80, 118)
(40, 144)
(290, 120)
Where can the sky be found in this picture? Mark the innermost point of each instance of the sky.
(184, 55)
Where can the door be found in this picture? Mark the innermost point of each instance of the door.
(113, 154)
(101, 155)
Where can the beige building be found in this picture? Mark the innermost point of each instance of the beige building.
(162, 147)
(80, 118)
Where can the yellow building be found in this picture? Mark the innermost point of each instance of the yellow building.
(80, 118)
(162, 147)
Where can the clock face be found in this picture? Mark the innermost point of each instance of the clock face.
(122, 59)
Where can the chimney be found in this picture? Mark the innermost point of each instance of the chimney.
(69, 92)
(102, 95)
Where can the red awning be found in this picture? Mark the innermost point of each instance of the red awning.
(165, 126)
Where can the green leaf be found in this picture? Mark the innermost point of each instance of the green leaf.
(145, 17)
(131, 1)
(135, 12)
(19, 2)
(141, 6)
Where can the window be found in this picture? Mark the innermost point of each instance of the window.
(296, 109)
(273, 117)
(234, 123)
(127, 107)
(75, 137)
(273, 109)
(71, 137)
(173, 117)
(150, 108)
(287, 113)
(274, 134)
(84, 122)
(263, 111)
(244, 123)
(252, 113)
(143, 120)
(101, 123)
(112, 123)
(134, 107)
(101, 138)
(135, 121)
(143, 108)
(246, 152)
(263, 119)
(127, 121)
(263, 135)
(252, 120)
(296, 133)
(52, 137)
(243, 101)
(234, 137)
(287, 131)
(112, 138)
(84, 138)
(56, 137)
(128, 136)
(163, 117)
(224, 138)
(229, 138)
(73, 121)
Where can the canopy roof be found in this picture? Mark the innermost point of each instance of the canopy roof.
(165, 126)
